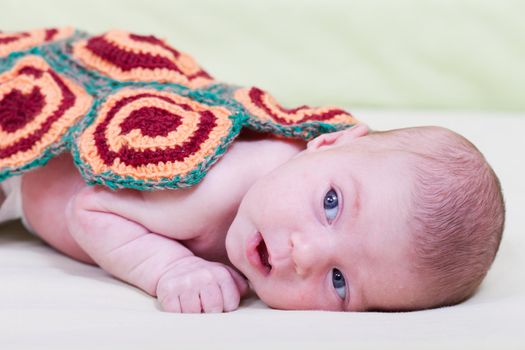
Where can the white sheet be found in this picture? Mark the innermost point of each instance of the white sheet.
(50, 301)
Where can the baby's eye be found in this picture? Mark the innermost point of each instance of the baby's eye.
(338, 281)
(331, 205)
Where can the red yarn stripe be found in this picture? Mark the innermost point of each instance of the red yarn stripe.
(135, 158)
(50, 33)
(15, 37)
(154, 41)
(152, 121)
(127, 61)
(28, 70)
(206, 124)
(256, 96)
(18, 109)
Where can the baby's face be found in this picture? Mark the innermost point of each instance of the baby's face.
(328, 230)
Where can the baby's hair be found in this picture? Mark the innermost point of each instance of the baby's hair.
(458, 211)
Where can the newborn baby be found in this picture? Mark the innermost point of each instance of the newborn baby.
(399, 220)
(352, 220)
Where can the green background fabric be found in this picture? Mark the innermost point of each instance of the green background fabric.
(467, 55)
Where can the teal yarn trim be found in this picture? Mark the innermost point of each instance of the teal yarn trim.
(305, 131)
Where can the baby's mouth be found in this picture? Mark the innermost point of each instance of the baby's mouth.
(258, 255)
(262, 250)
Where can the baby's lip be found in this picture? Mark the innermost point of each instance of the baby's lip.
(258, 254)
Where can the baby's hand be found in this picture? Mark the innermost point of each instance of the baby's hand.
(196, 285)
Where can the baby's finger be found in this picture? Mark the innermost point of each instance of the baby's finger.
(171, 304)
(230, 294)
(211, 299)
(190, 302)
(240, 281)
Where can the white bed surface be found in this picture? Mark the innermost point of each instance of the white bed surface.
(50, 301)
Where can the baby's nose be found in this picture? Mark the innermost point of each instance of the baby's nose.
(308, 253)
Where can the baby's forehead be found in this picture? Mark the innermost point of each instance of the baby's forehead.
(369, 149)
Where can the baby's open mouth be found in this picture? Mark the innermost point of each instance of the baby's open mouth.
(263, 255)
(258, 254)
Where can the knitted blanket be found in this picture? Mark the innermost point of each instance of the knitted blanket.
(133, 111)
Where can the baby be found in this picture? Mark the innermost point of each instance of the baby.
(352, 220)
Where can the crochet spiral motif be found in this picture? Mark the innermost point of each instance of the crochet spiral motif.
(37, 107)
(150, 134)
(134, 111)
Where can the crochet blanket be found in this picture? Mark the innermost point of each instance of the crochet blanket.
(133, 111)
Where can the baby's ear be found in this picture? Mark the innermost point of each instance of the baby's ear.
(337, 138)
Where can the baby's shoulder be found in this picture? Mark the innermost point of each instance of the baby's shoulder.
(216, 199)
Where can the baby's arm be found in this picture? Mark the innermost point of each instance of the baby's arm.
(106, 225)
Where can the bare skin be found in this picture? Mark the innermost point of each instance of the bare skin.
(164, 242)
